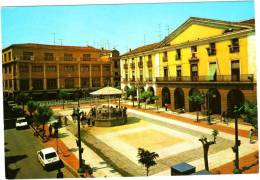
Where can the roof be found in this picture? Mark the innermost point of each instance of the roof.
(107, 91)
(142, 49)
(57, 47)
(48, 150)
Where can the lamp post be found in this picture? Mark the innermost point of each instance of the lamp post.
(237, 141)
(76, 116)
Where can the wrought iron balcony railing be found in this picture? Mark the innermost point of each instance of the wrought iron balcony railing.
(218, 78)
(233, 49)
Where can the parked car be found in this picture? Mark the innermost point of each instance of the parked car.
(21, 122)
(48, 157)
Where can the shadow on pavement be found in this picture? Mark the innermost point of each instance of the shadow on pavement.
(11, 173)
(132, 120)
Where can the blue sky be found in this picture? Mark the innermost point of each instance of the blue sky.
(121, 26)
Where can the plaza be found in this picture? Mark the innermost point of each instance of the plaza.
(173, 140)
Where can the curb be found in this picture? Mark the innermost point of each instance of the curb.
(71, 170)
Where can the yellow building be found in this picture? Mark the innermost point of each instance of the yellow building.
(201, 55)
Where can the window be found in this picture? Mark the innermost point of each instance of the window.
(149, 57)
(116, 74)
(178, 54)
(235, 70)
(10, 83)
(212, 49)
(141, 75)
(234, 47)
(24, 84)
(5, 58)
(84, 68)
(51, 68)
(150, 74)
(5, 69)
(96, 82)
(86, 57)
(85, 82)
(165, 56)
(133, 76)
(68, 57)
(69, 68)
(24, 68)
(69, 83)
(10, 70)
(37, 84)
(193, 49)
(27, 55)
(95, 68)
(51, 84)
(178, 71)
(6, 83)
(194, 72)
(212, 73)
(9, 56)
(141, 58)
(48, 56)
(116, 64)
(106, 68)
(165, 72)
(37, 68)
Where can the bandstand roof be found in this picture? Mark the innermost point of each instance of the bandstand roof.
(106, 91)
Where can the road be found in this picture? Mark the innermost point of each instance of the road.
(20, 155)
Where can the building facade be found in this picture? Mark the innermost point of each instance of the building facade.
(41, 69)
(213, 57)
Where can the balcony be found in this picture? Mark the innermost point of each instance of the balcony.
(193, 57)
(140, 64)
(233, 49)
(219, 78)
(165, 59)
(150, 79)
(211, 51)
(132, 65)
(149, 63)
(125, 66)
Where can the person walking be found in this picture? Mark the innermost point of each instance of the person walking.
(59, 174)
(251, 133)
(50, 130)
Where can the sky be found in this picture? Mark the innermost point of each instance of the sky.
(120, 26)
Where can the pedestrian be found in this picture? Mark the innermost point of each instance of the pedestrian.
(166, 107)
(251, 133)
(50, 130)
(223, 116)
(59, 174)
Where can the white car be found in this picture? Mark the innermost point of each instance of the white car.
(21, 122)
(48, 157)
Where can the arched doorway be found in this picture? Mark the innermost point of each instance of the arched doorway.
(234, 98)
(178, 98)
(166, 96)
(194, 106)
(150, 89)
(214, 101)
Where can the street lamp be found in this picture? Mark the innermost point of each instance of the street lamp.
(237, 141)
(76, 116)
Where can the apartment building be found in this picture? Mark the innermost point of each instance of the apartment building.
(42, 70)
(213, 57)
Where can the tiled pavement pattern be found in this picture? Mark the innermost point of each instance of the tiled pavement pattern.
(220, 153)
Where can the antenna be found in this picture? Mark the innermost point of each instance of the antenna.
(144, 40)
(54, 40)
(167, 29)
(60, 41)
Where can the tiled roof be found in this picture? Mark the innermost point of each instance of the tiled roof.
(142, 49)
(250, 22)
(47, 46)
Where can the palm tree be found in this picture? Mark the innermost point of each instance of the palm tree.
(22, 98)
(31, 107)
(250, 113)
(206, 144)
(147, 159)
(63, 95)
(132, 92)
(198, 100)
(44, 114)
(146, 95)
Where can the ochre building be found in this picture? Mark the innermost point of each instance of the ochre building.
(213, 57)
(43, 70)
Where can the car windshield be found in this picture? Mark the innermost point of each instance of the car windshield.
(50, 155)
(21, 120)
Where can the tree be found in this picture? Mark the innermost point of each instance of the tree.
(198, 99)
(250, 113)
(156, 98)
(146, 95)
(206, 144)
(44, 114)
(132, 92)
(63, 95)
(22, 98)
(79, 94)
(146, 158)
(32, 107)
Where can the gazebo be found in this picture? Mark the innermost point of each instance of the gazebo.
(103, 116)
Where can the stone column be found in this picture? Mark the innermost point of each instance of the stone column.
(58, 75)
(186, 99)
(44, 77)
(90, 76)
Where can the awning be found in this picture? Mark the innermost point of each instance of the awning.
(106, 91)
(212, 71)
